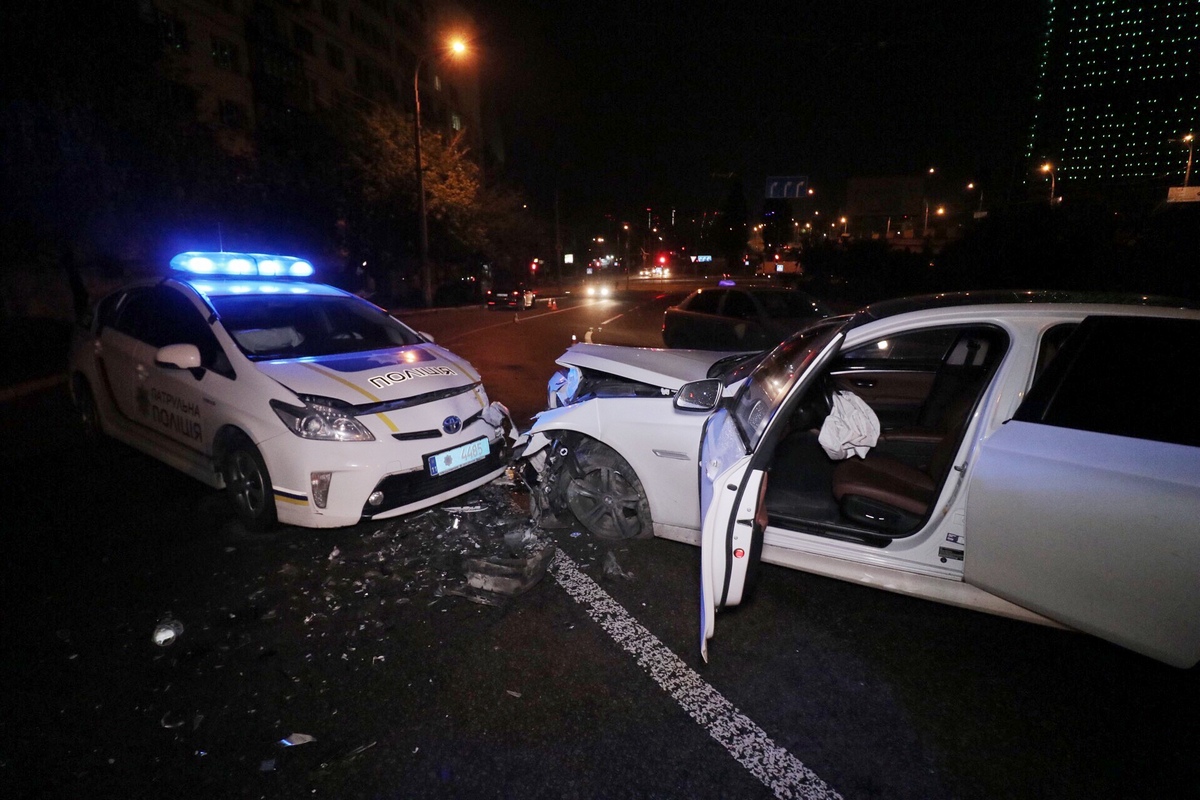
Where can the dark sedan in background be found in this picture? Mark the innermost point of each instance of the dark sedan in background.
(739, 317)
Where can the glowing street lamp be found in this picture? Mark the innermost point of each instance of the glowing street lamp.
(455, 48)
(1049, 169)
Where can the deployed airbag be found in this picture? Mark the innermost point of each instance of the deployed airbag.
(851, 429)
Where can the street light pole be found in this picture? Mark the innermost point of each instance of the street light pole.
(1190, 139)
(1049, 168)
(426, 270)
(456, 47)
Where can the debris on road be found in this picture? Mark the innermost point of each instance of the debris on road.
(612, 569)
(167, 631)
(297, 738)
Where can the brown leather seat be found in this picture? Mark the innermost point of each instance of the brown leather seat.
(889, 495)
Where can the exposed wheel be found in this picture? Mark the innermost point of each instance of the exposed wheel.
(605, 495)
(89, 414)
(249, 485)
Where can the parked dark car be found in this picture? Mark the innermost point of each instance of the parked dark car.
(739, 317)
(520, 297)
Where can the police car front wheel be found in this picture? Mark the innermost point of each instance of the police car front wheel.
(249, 485)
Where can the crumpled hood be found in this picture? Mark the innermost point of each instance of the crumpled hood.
(669, 369)
(373, 376)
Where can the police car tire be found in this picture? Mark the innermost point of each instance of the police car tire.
(248, 484)
(89, 414)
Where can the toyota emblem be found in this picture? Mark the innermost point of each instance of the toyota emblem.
(452, 424)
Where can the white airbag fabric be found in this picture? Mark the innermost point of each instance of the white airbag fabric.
(851, 429)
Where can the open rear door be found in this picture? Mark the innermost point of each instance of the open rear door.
(1085, 507)
(1072, 525)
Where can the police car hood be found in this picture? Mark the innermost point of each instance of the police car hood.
(669, 369)
(374, 376)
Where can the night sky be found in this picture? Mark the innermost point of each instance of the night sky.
(624, 105)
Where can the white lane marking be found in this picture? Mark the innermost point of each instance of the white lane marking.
(612, 319)
(778, 769)
(529, 317)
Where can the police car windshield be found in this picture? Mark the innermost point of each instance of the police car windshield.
(301, 326)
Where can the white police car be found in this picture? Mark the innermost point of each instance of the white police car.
(311, 405)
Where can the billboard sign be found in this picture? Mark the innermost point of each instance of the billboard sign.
(786, 187)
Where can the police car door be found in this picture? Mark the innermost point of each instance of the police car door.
(734, 454)
(172, 402)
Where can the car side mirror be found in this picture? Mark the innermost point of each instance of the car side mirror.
(698, 395)
(179, 356)
(427, 336)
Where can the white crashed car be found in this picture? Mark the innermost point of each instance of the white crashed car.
(312, 406)
(1032, 455)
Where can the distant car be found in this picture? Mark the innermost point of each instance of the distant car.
(732, 317)
(519, 297)
(1037, 457)
(311, 406)
(597, 289)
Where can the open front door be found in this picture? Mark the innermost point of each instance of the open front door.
(725, 551)
(733, 459)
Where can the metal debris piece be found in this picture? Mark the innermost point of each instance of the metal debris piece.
(507, 576)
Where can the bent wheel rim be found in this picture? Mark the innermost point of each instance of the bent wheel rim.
(605, 503)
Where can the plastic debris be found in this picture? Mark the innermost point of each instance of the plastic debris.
(170, 723)
(297, 738)
(167, 631)
(508, 576)
(613, 570)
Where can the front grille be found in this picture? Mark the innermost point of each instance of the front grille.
(414, 435)
(409, 487)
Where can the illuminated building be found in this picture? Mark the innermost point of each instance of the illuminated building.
(1120, 87)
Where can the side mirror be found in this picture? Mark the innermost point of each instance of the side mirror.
(698, 395)
(426, 336)
(179, 356)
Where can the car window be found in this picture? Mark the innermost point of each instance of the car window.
(161, 315)
(791, 305)
(925, 346)
(760, 399)
(301, 326)
(739, 306)
(706, 301)
(1125, 376)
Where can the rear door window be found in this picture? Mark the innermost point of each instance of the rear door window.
(706, 302)
(1125, 376)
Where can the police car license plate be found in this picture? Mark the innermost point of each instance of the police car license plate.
(458, 457)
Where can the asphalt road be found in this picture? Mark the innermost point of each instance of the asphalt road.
(587, 685)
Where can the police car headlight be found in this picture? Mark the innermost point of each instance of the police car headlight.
(322, 420)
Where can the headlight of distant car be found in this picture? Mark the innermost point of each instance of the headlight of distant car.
(322, 419)
(591, 291)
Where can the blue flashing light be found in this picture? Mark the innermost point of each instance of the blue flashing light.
(242, 265)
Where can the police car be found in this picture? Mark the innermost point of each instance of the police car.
(310, 405)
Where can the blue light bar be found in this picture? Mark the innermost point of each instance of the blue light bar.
(242, 265)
